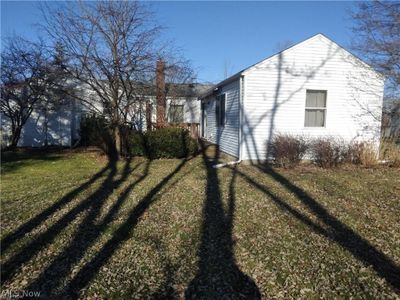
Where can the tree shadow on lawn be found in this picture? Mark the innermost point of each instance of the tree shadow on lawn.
(168, 289)
(218, 276)
(33, 223)
(336, 231)
(22, 154)
(50, 281)
(120, 235)
(10, 267)
(12, 162)
(88, 232)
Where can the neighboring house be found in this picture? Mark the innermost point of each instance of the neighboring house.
(61, 126)
(391, 119)
(55, 127)
(314, 88)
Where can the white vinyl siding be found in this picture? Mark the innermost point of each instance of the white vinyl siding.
(275, 92)
(227, 136)
(53, 128)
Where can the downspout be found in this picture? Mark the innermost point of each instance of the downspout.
(241, 111)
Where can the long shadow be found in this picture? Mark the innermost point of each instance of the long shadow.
(36, 154)
(336, 231)
(218, 276)
(86, 234)
(30, 225)
(10, 267)
(11, 164)
(90, 269)
(166, 289)
(344, 235)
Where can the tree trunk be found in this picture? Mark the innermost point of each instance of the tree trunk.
(115, 147)
(149, 115)
(15, 136)
(46, 128)
(117, 140)
(160, 93)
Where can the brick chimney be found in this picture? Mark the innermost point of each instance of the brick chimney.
(160, 92)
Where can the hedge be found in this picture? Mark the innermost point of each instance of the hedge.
(169, 142)
(326, 152)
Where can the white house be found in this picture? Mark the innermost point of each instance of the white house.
(314, 88)
(61, 126)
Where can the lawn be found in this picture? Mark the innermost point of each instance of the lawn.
(74, 225)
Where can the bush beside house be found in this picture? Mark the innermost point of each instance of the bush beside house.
(327, 152)
(289, 150)
(390, 152)
(167, 142)
(94, 131)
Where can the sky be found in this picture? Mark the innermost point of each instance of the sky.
(220, 36)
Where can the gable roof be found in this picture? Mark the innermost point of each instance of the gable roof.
(174, 89)
(240, 73)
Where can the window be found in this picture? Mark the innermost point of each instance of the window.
(315, 109)
(176, 113)
(220, 110)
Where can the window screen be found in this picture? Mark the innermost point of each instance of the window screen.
(315, 114)
(176, 113)
(220, 110)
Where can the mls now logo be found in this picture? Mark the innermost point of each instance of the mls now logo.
(10, 294)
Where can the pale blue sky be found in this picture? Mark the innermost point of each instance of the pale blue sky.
(213, 34)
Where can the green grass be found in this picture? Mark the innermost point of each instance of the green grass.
(73, 225)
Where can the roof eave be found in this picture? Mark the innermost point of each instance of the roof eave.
(216, 87)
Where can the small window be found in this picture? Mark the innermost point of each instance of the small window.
(176, 113)
(315, 115)
(220, 110)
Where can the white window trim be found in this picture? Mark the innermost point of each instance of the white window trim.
(312, 128)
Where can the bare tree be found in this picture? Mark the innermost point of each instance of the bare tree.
(28, 77)
(283, 45)
(377, 38)
(111, 48)
(228, 68)
(179, 75)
